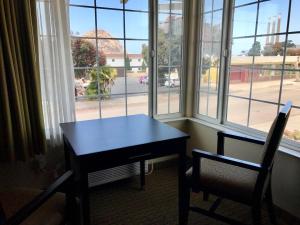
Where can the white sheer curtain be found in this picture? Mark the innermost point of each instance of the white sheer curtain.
(56, 67)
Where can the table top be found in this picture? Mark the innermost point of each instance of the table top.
(94, 136)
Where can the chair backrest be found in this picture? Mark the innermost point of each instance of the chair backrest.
(270, 147)
(274, 136)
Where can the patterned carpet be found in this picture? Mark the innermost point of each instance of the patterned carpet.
(122, 203)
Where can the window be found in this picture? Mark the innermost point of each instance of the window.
(110, 47)
(262, 70)
(169, 55)
(103, 30)
(209, 57)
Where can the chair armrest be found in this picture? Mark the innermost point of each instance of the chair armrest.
(241, 137)
(225, 159)
(29, 208)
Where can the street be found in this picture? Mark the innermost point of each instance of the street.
(261, 114)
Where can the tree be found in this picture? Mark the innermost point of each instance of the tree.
(206, 63)
(127, 63)
(144, 66)
(84, 55)
(103, 78)
(277, 48)
(145, 53)
(289, 44)
(168, 49)
(255, 49)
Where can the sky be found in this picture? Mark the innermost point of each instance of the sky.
(82, 20)
(245, 17)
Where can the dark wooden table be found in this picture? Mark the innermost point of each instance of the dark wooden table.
(105, 143)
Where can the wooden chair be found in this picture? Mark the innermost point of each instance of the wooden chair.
(36, 207)
(238, 180)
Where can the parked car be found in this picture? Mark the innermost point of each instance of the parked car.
(172, 83)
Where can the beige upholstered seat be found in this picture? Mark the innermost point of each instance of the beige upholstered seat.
(218, 177)
(50, 213)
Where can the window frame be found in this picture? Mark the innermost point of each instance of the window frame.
(223, 92)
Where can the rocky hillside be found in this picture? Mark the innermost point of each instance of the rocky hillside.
(107, 46)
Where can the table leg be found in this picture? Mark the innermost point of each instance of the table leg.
(84, 198)
(69, 193)
(182, 188)
(142, 174)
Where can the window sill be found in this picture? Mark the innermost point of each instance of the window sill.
(283, 149)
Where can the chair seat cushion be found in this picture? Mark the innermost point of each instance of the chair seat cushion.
(226, 180)
(50, 213)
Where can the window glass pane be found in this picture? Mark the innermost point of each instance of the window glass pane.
(266, 85)
(237, 111)
(262, 115)
(242, 2)
(207, 27)
(172, 78)
(244, 20)
(164, 6)
(137, 104)
(110, 4)
(162, 102)
(82, 2)
(242, 51)
(85, 82)
(175, 101)
(84, 52)
(292, 59)
(291, 87)
(137, 79)
(87, 108)
(118, 83)
(203, 99)
(169, 55)
(210, 61)
(162, 76)
(110, 23)
(272, 17)
(170, 6)
(294, 17)
(176, 53)
(112, 106)
(212, 104)
(82, 20)
(216, 26)
(210, 5)
(136, 21)
(239, 82)
(292, 130)
(137, 5)
(268, 52)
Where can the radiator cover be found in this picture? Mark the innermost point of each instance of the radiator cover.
(114, 174)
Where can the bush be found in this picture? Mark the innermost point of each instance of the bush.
(103, 78)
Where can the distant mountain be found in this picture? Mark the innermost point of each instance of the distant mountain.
(108, 46)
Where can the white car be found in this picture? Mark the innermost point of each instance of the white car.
(172, 83)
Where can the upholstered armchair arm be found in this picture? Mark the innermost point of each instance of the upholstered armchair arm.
(234, 135)
(197, 154)
(29, 208)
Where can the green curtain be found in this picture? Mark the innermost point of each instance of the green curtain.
(21, 118)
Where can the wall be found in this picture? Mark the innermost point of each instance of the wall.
(286, 170)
